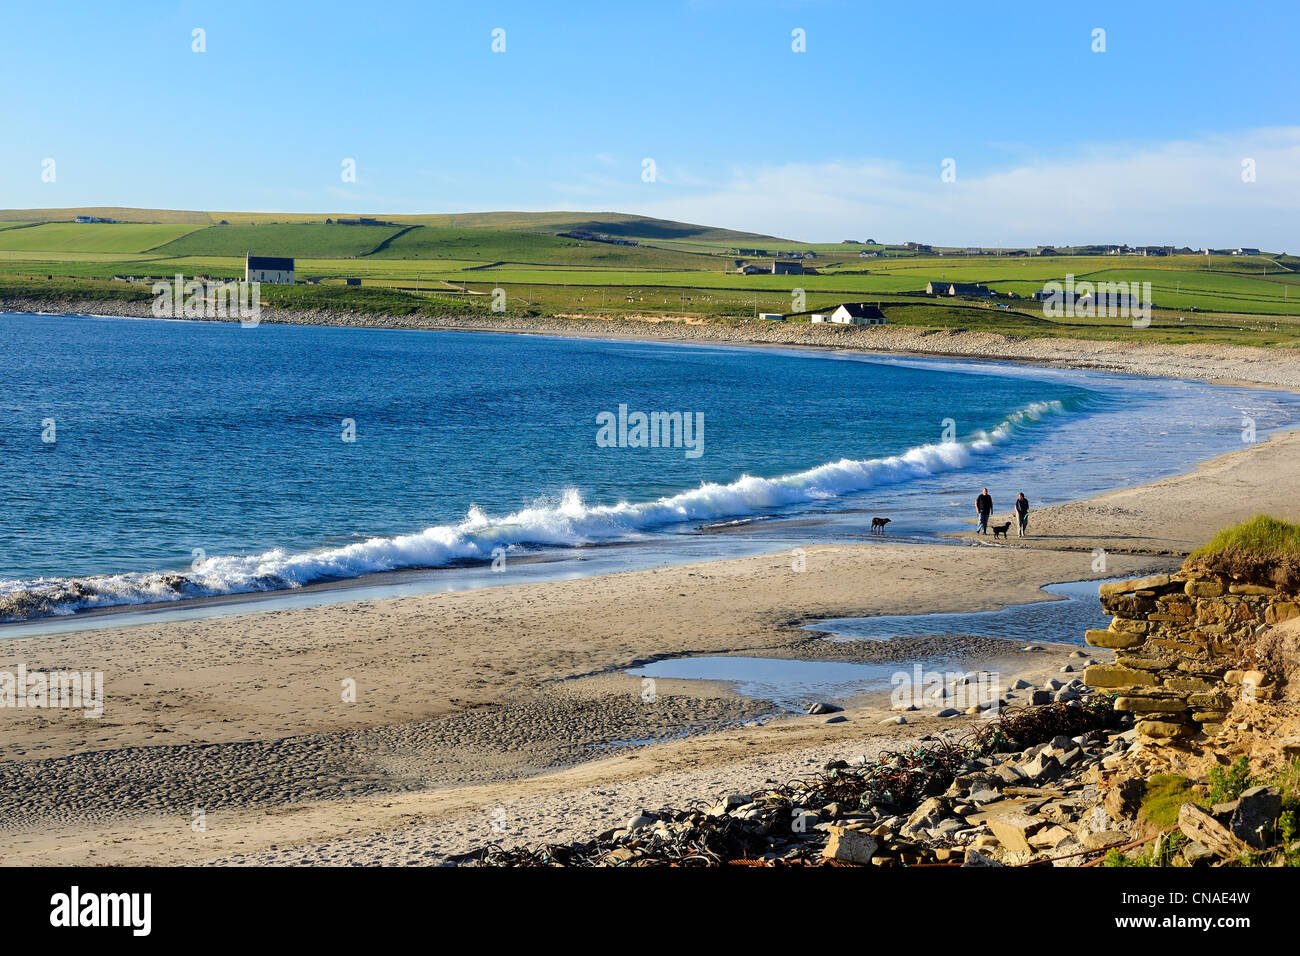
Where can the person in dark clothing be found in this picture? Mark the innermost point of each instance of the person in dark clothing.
(984, 508)
(1022, 513)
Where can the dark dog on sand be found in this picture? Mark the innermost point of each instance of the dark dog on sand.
(1001, 529)
(879, 523)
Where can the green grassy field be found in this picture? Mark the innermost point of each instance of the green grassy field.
(299, 239)
(513, 247)
(455, 261)
(101, 237)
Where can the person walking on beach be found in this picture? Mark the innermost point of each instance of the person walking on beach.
(984, 508)
(1022, 514)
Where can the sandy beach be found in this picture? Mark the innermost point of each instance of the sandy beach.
(479, 716)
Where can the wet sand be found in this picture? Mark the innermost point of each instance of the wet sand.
(243, 717)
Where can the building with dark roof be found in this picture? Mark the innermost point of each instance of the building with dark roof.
(276, 270)
(857, 313)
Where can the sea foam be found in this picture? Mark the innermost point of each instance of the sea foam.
(567, 521)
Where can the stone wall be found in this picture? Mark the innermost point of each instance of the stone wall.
(1185, 648)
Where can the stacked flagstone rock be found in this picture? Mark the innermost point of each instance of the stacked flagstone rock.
(1184, 648)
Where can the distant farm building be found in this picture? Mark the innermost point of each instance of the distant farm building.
(857, 313)
(94, 219)
(787, 267)
(772, 316)
(969, 289)
(918, 247)
(1096, 301)
(1110, 300)
(1246, 251)
(352, 282)
(274, 270)
(749, 269)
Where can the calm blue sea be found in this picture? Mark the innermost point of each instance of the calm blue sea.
(191, 459)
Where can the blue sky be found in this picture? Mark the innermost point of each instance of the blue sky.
(1051, 141)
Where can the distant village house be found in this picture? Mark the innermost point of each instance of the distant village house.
(853, 313)
(273, 270)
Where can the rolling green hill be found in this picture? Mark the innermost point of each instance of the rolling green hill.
(619, 224)
(120, 213)
(300, 240)
(66, 237)
(532, 248)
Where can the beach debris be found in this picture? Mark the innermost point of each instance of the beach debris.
(849, 846)
(822, 707)
(997, 790)
(1203, 829)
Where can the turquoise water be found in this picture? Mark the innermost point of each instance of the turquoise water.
(197, 459)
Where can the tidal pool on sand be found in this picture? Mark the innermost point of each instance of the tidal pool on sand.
(1061, 622)
(791, 683)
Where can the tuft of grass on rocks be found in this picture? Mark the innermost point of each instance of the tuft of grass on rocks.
(1262, 549)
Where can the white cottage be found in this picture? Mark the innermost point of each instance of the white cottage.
(858, 313)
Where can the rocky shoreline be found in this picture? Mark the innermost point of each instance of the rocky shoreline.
(1274, 367)
(1089, 795)
(1082, 776)
(976, 800)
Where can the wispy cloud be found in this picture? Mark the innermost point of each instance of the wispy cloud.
(1184, 192)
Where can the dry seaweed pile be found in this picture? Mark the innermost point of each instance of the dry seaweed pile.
(785, 825)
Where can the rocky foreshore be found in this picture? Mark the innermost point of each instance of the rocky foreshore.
(986, 800)
(1076, 799)
(1278, 367)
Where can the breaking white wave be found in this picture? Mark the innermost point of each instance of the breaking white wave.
(569, 522)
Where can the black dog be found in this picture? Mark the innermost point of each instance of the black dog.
(1001, 529)
(879, 523)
